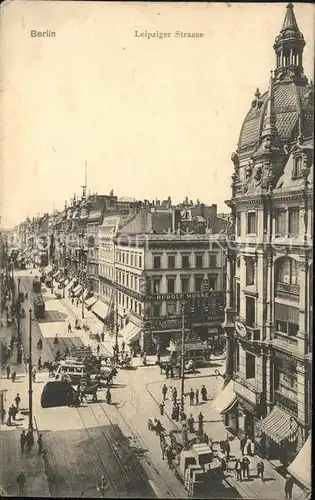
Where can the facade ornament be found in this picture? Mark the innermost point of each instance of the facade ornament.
(235, 160)
(269, 257)
(286, 148)
(249, 170)
(258, 175)
(303, 265)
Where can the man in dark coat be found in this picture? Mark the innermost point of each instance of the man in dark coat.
(21, 480)
(22, 440)
(288, 487)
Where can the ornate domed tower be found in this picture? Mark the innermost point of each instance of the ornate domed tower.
(268, 320)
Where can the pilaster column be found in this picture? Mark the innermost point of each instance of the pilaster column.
(301, 399)
(269, 299)
(269, 381)
(228, 323)
(303, 317)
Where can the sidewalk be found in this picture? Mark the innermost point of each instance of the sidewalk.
(12, 460)
(273, 487)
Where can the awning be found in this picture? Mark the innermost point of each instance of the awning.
(225, 401)
(90, 301)
(83, 295)
(279, 425)
(70, 284)
(130, 332)
(301, 467)
(55, 276)
(77, 290)
(48, 268)
(100, 309)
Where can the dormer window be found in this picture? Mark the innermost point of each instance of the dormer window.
(298, 167)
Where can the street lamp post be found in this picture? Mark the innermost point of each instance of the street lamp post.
(116, 328)
(183, 358)
(30, 380)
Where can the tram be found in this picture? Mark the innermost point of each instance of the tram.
(39, 307)
(37, 286)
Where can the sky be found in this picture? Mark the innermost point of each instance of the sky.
(151, 117)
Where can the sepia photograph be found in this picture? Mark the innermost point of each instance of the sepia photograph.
(156, 249)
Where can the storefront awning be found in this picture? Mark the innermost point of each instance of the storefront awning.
(57, 274)
(130, 332)
(77, 290)
(90, 301)
(226, 399)
(301, 467)
(70, 284)
(100, 309)
(279, 425)
(83, 295)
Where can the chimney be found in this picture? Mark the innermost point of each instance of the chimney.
(175, 219)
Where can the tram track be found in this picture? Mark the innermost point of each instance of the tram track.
(120, 488)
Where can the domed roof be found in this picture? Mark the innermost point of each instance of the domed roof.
(291, 106)
(290, 101)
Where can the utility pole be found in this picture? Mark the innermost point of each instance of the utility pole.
(82, 254)
(183, 357)
(18, 310)
(30, 380)
(116, 327)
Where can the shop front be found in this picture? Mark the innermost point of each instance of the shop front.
(227, 405)
(249, 411)
(278, 436)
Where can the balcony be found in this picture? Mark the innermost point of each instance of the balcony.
(288, 291)
(286, 403)
(247, 389)
(253, 333)
(287, 339)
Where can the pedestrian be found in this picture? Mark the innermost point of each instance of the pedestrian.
(238, 470)
(2, 415)
(22, 440)
(249, 448)
(174, 395)
(25, 361)
(183, 416)
(167, 371)
(197, 396)
(261, 470)
(72, 300)
(191, 422)
(191, 397)
(34, 375)
(40, 444)
(17, 400)
(103, 336)
(204, 393)
(169, 456)
(13, 376)
(39, 363)
(288, 487)
(69, 327)
(98, 349)
(123, 346)
(108, 396)
(200, 424)
(56, 340)
(242, 444)
(163, 445)
(177, 412)
(164, 391)
(227, 450)
(172, 371)
(8, 371)
(245, 466)
(161, 406)
(29, 440)
(21, 480)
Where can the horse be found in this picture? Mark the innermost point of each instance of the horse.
(90, 390)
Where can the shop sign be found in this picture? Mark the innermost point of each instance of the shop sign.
(164, 322)
(246, 393)
(183, 296)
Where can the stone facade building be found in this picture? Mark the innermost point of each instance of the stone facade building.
(268, 319)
